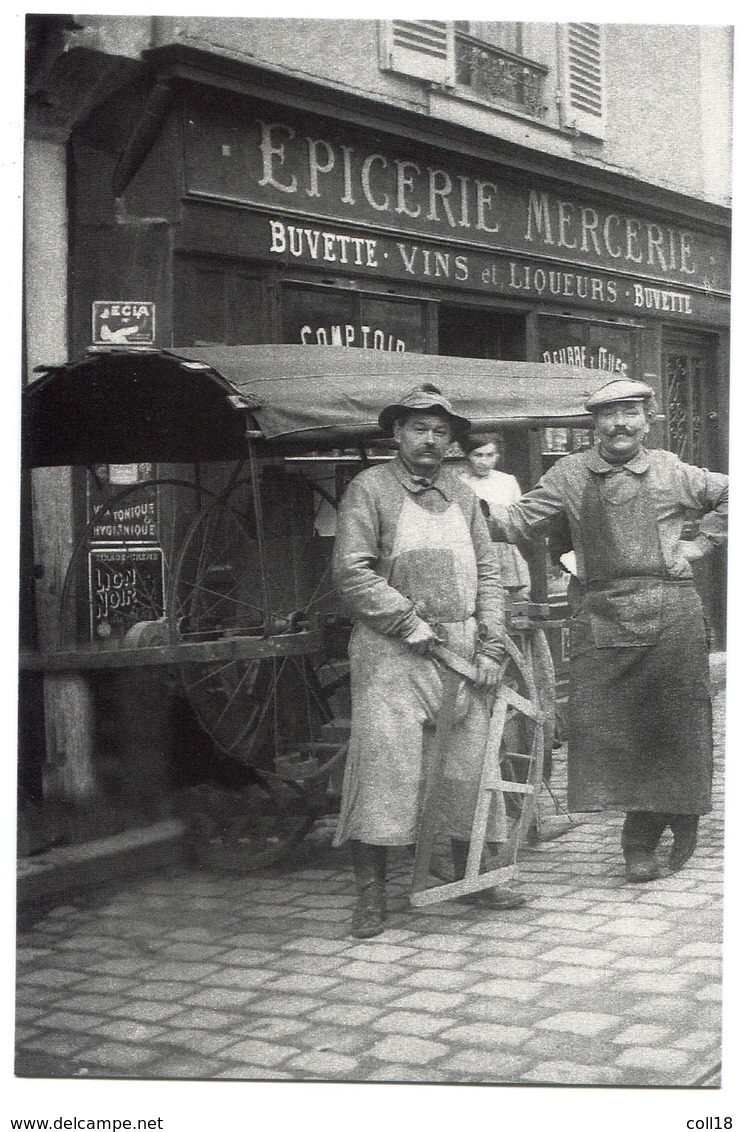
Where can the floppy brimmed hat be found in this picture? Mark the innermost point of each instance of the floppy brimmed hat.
(422, 399)
(620, 389)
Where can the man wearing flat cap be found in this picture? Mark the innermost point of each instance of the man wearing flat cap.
(640, 710)
(414, 563)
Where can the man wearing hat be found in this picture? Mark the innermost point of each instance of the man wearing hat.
(640, 711)
(414, 564)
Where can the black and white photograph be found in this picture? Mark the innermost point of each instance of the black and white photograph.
(372, 414)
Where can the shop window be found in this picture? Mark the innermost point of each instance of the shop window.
(328, 317)
(217, 302)
(476, 332)
(483, 59)
(597, 345)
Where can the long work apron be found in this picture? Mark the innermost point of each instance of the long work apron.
(396, 694)
(640, 709)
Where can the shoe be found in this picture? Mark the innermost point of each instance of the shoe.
(497, 898)
(682, 849)
(369, 868)
(640, 865)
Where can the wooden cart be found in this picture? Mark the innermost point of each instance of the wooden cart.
(254, 446)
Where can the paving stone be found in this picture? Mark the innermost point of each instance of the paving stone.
(499, 1010)
(310, 984)
(344, 1014)
(186, 1067)
(52, 977)
(505, 966)
(359, 991)
(486, 1034)
(370, 972)
(642, 1035)
(575, 976)
(699, 1040)
(443, 1002)
(166, 992)
(580, 1022)
(500, 930)
(66, 1020)
(674, 899)
(398, 1074)
(206, 1019)
(269, 1029)
(195, 1041)
(634, 926)
(481, 1065)
(418, 1023)
(645, 962)
(442, 979)
(92, 1003)
(700, 948)
(114, 1055)
(441, 960)
(379, 952)
(315, 945)
(579, 956)
(129, 1030)
(252, 1073)
(334, 1039)
(569, 1073)
(670, 1061)
(185, 972)
(518, 990)
(407, 1049)
(709, 994)
(667, 983)
(239, 979)
(566, 920)
(259, 1053)
(323, 1064)
(55, 1042)
(285, 1005)
(222, 998)
(710, 968)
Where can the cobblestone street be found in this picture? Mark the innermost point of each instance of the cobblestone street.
(186, 973)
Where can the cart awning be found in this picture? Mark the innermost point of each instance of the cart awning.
(192, 404)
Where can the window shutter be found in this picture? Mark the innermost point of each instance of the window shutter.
(423, 49)
(583, 99)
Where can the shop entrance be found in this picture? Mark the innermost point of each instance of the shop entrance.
(693, 412)
(474, 332)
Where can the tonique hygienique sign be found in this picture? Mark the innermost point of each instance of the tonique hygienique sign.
(384, 206)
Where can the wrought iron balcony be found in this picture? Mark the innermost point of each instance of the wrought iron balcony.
(499, 76)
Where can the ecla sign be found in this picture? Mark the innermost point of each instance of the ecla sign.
(123, 323)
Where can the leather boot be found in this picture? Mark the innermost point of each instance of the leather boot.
(369, 871)
(499, 897)
(684, 829)
(641, 832)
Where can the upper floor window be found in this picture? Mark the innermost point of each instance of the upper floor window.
(486, 59)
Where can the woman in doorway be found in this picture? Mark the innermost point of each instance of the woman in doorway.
(494, 487)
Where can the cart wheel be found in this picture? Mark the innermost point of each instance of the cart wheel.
(277, 714)
(522, 750)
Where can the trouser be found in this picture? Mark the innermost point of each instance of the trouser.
(643, 829)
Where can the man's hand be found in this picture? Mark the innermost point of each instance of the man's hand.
(488, 671)
(422, 639)
(691, 551)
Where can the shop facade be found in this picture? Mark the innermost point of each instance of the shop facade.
(239, 218)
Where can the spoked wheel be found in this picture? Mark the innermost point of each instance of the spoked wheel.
(522, 748)
(271, 689)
